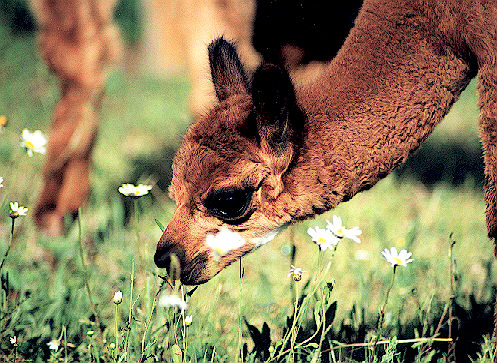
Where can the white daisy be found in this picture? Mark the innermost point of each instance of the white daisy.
(118, 297)
(1, 182)
(340, 231)
(53, 345)
(130, 190)
(13, 340)
(33, 142)
(295, 273)
(16, 210)
(401, 258)
(169, 301)
(188, 320)
(324, 238)
(224, 242)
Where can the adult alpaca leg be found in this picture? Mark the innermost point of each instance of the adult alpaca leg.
(78, 42)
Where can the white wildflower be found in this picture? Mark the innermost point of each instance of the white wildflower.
(295, 273)
(118, 297)
(401, 258)
(16, 210)
(188, 320)
(33, 142)
(340, 231)
(169, 301)
(131, 190)
(325, 239)
(53, 345)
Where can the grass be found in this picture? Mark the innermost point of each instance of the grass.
(44, 294)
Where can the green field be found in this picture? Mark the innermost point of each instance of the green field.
(44, 296)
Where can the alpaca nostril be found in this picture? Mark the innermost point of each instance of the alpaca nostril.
(162, 260)
(170, 257)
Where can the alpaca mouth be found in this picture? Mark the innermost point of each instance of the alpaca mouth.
(196, 272)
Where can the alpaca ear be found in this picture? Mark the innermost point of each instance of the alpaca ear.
(228, 74)
(275, 106)
(279, 120)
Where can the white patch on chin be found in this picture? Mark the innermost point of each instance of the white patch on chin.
(268, 237)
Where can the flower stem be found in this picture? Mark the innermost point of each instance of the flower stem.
(130, 306)
(85, 274)
(293, 331)
(9, 245)
(117, 332)
(382, 312)
(142, 356)
(15, 353)
(64, 330)
(183, 331)
(452, 271)
(137, 230)
(240, 346)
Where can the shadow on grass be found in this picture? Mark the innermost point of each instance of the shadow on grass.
(472, 319)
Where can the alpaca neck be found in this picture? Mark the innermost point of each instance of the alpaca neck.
(388, 87)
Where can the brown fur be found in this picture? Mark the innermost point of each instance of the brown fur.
(78, 41)
(400, 70)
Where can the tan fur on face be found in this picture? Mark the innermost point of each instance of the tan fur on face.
(211, 161)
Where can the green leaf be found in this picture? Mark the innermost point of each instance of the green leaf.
(317, 318)
(162, 228)
(330, 313)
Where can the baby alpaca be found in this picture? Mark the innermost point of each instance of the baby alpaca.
(268, 155)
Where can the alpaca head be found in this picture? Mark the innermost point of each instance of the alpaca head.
(229, 172)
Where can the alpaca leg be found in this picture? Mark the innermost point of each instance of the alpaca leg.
(67, 166)
(78, 41)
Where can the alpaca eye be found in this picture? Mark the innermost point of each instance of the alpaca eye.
(229, 204)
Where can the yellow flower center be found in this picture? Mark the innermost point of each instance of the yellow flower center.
(296, 276)
(14, 213)
(219, 251)
(29, 145)
(321, 241)
(339, 232)
(397, 261)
